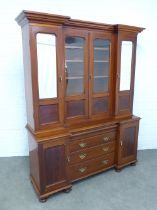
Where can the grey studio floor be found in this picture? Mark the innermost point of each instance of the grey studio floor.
(134, 188)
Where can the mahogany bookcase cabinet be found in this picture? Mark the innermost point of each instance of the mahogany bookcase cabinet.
(79, 82)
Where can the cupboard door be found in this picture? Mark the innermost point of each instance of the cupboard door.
(100, 75)
(53, 165)
(128, 142)
(47, 70)
(76, 69)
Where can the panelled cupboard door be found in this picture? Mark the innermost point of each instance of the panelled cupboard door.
(54, 165)
(47, 70)
(75, 74)
(128, 142)
(100, 74)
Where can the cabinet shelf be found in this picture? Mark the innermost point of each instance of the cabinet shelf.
(101, 48)
(73, 47)
(79, 77)
(101, 61)
(99, 77)
(74, 61)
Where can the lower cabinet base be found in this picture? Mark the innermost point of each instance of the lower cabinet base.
(58, 161)
(43, 197)
(131, 163)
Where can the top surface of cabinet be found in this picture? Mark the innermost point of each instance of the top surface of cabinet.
(39, 17)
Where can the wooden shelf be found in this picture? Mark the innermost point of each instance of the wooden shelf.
(101, 61)
(73, 47)
(74, 61)
(79, 77)
(101, 48)
(98, 77)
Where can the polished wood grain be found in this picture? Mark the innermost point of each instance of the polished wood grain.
(92, 152)
(74, 136)
(92, 141)
(83, 170)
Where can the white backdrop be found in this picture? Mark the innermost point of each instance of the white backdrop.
(13, 137)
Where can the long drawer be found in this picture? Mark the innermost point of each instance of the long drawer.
(92, 152)
(92, 141)
(84, 169)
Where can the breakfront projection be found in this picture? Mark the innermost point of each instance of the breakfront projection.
(79, 84)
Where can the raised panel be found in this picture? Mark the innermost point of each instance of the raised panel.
(75, 108)
(54, 164)
(129, 138)
(48, 113)
(124, 102)
(100, 105)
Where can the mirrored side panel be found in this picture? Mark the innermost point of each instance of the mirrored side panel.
(126, 60)
(47, 70)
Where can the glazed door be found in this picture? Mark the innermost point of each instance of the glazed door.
(47, 74)
(75, 74)
(128, 142)
(100, 86)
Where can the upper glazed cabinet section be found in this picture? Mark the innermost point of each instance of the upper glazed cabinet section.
(71, 67)
(126, 51)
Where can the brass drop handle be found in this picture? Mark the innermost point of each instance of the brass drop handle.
(106, 138)
(82, 156)
(82, 169)
(105, 162)
(68, 158)
(121, 143)
(82, 145)
(105, 149)
(60, 78)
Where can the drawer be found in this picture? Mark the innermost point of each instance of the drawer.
(87, 168)
(92, 141)
(92, 152)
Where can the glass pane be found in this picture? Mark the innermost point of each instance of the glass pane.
(74, 65)
(100, 84)
(126, 59)
(46, 56)
(74, 86)
(101, 65)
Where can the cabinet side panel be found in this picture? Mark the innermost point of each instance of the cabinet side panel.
(27, 75)
(34, 160)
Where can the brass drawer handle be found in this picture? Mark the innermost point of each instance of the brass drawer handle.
(105, 162)
(68, 158)
(105, 149)
(82, 169)
(106, 138)
(82, 145)
(82, 156)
